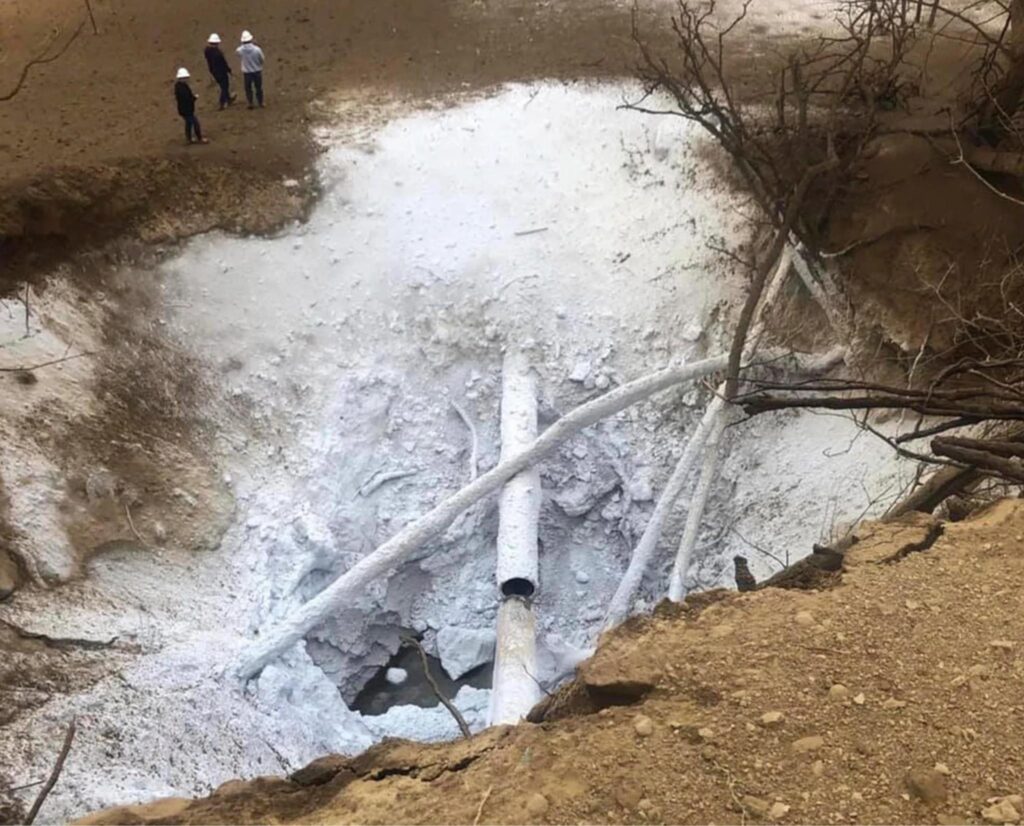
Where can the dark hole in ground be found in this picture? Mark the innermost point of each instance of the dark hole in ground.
(378, 695)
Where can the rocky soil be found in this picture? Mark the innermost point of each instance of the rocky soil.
(892, 697)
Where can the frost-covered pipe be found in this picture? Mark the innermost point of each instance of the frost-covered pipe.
(514, 689)
(622, 600)
(519, 504)
(695, 515)
(350, 586)
(715, 422)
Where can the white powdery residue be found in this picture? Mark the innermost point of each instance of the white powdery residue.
(434, 724)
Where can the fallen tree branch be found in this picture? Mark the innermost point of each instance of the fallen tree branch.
(474, 444)
(448, 704)
(32, 367)
(1011, 469)
(54, 775)
(41, 59)
(351, 585)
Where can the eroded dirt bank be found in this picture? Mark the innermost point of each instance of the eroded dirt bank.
(892, 697)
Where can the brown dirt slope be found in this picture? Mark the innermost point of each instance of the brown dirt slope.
(92, 148)
(894, 697)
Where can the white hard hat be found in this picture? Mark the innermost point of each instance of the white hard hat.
(213, 38)
(182, 73)
(247, 36)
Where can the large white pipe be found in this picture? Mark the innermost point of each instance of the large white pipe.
(514, 688)
(519, 503)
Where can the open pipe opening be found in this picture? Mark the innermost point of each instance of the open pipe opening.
(517, 587)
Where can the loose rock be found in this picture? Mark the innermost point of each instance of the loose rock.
(772, 719)
(806, 744)
(536, 804)
(643, 725)
(1002, 812)
(926, 785)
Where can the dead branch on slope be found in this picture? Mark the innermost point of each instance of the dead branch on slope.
(448, 704)
(42, 58)
(54, 775)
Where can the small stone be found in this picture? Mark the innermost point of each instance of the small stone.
(772, 719)
(396, 676)
(804, 618)
(818, 768)
(602, 382)
(806, 744)
(859, 699)
(979, 670)
(838, 692)
(777, 811)
(643, 725)
(580, 371)
(927, 785)
(582, 577)
(857, 797)
(892, 703)
(705, 734)
(536, 804)
(1002, 812)
(757, 806)
(942, 768)
(1002, 645)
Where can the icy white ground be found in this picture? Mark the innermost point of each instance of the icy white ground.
(541, 216)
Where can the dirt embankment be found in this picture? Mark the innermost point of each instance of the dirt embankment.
(91, 148)
(892, 697)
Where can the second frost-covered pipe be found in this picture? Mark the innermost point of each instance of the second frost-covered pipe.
(514, 690)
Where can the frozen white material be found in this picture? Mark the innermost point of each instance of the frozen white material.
(351, 585)
(434, 724)
(519, 503)
(463, 649)
(396, 676)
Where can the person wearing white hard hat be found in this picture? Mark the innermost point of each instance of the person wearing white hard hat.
(252, 68)
(186, 99)
(219, 69)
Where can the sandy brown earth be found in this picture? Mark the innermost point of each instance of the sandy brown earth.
(893, 697)
(91, 148)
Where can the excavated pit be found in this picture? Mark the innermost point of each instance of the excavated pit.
(541, 217)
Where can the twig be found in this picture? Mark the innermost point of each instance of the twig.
(375, 481)
(530, 231)
(415, 643)
(47, 363)
(474, 443)
(131, 524)
(483, 802)
(25, 786)
(88, 8)
(38, 61)
(54, 775)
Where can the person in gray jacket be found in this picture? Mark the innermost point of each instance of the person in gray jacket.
(252, 68)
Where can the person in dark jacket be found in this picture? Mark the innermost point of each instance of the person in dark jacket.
(219, 69)
(186, 99)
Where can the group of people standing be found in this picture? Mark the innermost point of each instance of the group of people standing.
(251, 58)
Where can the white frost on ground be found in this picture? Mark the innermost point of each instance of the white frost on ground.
(542, 216)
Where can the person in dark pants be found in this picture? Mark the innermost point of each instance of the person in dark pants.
(252, 68)
(219, 69)
(186, 99)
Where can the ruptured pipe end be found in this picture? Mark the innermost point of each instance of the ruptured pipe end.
(517, 587)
